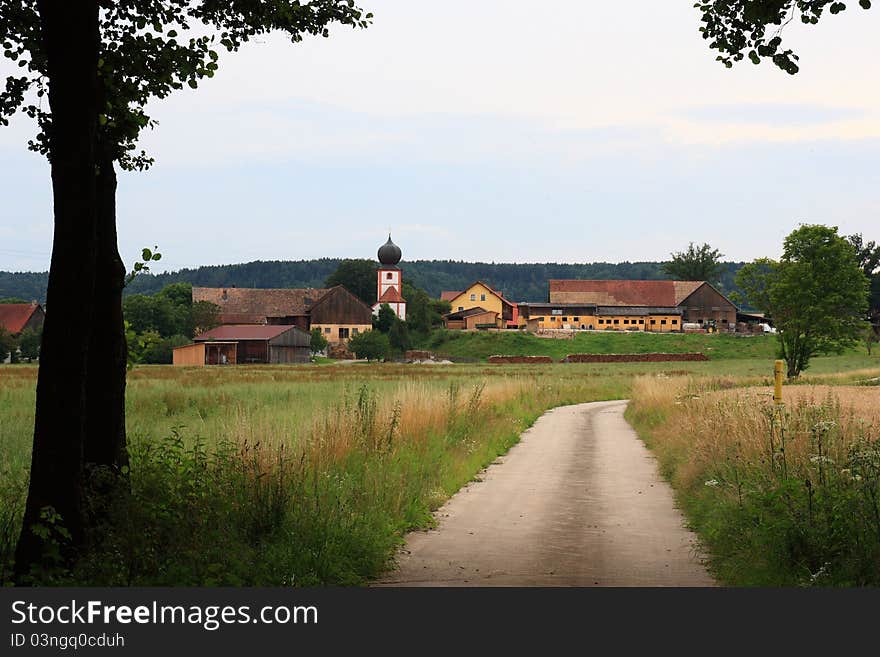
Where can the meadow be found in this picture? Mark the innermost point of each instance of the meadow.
(779, 495)
(311, 475)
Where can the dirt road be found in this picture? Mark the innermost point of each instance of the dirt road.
(578, 502)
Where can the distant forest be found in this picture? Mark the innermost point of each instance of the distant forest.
(518, 282)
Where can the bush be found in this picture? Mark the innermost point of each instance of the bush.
(318, 342)
(372, 345)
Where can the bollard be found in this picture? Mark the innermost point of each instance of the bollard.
(777, 382)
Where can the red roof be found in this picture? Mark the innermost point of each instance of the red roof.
(14, 316)
(623, 293)
(253, 306)
(449, 295)
(391, 295)
(235, 332)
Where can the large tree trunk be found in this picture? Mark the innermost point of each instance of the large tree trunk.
(70, 42)
(105, 387)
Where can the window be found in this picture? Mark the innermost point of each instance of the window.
(327, 330)
(460, 308)
(482, 297)
(617, 321)
(575, 319)
(565, 319)
(552, 319)
(389, 276)
(601, 321)
(343, 333)
(555, 312)
(473, 297)
(653, 321)
(663, 321)
(354, 331)
(641, 321)
(674, 321)
(626, 321)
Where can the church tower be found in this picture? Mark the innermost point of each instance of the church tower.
(390, 279)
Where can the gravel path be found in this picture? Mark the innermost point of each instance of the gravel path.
(578, 502)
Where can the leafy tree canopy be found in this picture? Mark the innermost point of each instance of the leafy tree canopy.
(753, 28)
(358, 277)
(696, 263)
(816, 294)
(384, 319)
(318, 341)
(372, 345)
(150, 48)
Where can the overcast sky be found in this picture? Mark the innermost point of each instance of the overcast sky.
(495, 130)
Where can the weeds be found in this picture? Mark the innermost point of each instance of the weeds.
(781, 496)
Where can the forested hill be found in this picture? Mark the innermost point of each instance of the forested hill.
(519, 282)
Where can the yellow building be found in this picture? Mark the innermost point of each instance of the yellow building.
(481, 296)
(589, 317)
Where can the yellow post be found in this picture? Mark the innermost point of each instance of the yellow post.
(777, 381)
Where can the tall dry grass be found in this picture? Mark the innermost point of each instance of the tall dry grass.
(786, 495)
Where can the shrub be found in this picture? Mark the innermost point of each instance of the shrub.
(372, 345)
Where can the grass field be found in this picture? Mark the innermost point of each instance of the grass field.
(311, 475)
(779, 497)
(479, 345)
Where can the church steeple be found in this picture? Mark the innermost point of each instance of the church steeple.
(389, 279)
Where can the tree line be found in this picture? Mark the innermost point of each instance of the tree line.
(519, 282)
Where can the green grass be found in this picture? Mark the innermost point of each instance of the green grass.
(481, 345)
(278, 475)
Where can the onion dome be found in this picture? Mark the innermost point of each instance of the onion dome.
(389, 253)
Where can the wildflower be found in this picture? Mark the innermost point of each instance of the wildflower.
(824, 460)
(712, 483)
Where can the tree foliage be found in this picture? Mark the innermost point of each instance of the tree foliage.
(398, 336)
(753, 28)
(8, 344)
(868, 257)
(696, 263)
(372, 345)
(358, 277)
(157, 323)
(150, 48)
(384, 319)
(816, 294)
(318, 341)
(29, 344)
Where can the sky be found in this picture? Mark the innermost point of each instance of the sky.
(494, 131)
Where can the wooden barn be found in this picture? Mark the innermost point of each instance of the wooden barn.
(335, 311)
(246, 344)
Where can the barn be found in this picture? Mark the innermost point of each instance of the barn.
(335, 311)
(246, 344)
(18, 317)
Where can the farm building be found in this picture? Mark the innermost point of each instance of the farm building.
(480, 296)
(695, 302)
(246, 344)
(335, 311)
(584, 316)
(17, 317)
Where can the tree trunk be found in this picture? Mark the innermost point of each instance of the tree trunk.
(70, 43)
(108, 352)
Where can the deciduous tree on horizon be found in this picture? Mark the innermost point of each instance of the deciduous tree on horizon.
(816, 294)
(696, 263)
